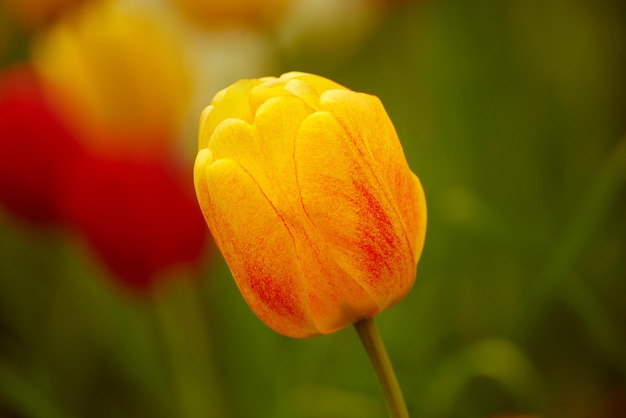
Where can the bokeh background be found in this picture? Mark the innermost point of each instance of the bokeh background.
(114, 302)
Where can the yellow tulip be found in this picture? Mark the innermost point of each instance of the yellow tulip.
(307, 192)
(124, 74)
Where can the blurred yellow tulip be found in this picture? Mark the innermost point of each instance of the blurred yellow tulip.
(307, 192)
(125, 75)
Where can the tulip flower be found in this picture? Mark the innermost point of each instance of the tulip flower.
(125, 74)
(37, 147)
(138, 215)
(307, 192)
(127, 87)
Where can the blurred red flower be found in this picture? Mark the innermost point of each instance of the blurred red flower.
(37, 147)
(139, 215)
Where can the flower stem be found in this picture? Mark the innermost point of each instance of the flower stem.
(370, 337)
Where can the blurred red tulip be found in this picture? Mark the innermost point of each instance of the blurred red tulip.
(36, 147)
(139, 215)
(124, 72)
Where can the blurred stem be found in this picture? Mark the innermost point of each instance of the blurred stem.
(373, 343)
(187, 345)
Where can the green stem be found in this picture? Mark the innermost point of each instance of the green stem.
(370, 337)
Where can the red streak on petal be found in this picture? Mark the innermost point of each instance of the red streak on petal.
(378, 240)
(276, 297)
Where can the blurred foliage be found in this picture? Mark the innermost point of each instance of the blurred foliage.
(513, 115)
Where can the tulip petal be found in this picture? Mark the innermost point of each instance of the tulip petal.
(277, 87)
(317, 83)
(351, 208)
(265, 149)
(364, 118)
(256, 244)
(335, 302)
(414, 211)
(335, 298)
(237, 140)
(230, 103)
(276, 125)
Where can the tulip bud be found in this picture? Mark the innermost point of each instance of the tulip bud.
(307, 192)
